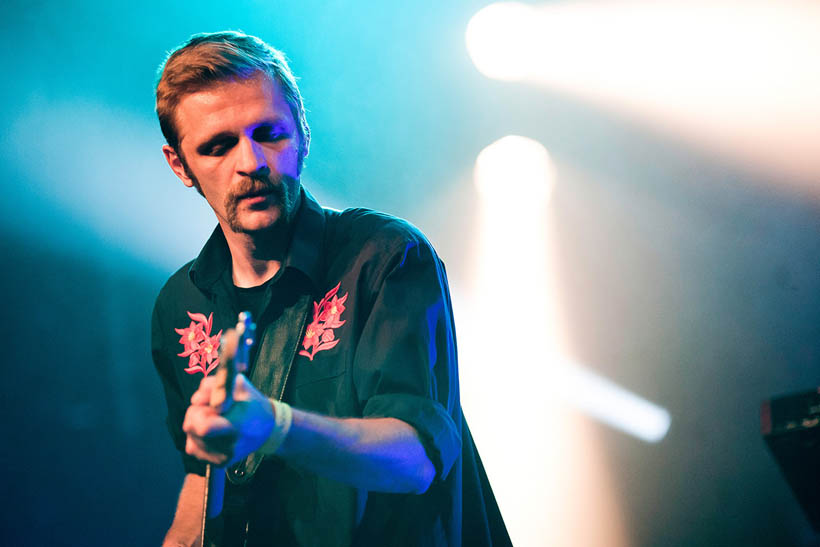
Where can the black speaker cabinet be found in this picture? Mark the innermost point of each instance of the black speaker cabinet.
(791, 428)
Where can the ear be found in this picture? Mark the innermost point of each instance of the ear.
(304, 149)
(175, 163)
(306, 144)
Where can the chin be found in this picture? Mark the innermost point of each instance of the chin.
(260, 221)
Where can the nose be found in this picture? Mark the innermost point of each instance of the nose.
(251, 161)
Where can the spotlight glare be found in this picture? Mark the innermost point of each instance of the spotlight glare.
(513, 168)
(611, 404)
(499, 40)
(698, 69)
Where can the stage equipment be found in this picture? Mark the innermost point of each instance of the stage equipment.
(791, 428)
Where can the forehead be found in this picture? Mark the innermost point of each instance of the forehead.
(231, 106)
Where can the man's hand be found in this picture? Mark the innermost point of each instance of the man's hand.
(378, 454)
(224, 440)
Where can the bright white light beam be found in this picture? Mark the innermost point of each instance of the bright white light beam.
(610, 403)
(515, 179)
(737, 78)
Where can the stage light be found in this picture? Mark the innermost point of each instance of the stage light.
(610, 403)
(518, 391)
(500, 40)
(515, 178)
(734, 78)
(513, 167)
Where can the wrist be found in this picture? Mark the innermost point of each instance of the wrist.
(283, 418)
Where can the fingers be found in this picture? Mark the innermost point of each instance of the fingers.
(215, 438)
(202, 395)
(218, 390)
(197, 449)
(211, 437)
(204, 421)
(209, 389)
(196, 420)
(230, 341)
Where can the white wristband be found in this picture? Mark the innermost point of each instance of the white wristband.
(283, 416)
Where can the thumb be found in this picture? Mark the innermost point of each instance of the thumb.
(244, 390)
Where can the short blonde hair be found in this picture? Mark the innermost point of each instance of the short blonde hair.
(211, 58)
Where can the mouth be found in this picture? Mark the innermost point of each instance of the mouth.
(254, 197)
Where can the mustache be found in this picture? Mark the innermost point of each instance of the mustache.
(255, 186)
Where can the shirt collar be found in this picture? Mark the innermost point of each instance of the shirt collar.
(304, 251)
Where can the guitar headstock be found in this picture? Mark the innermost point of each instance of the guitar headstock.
(246, 337)
(234, 354)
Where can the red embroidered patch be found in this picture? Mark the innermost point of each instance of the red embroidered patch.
(326, 316)
(201, 349)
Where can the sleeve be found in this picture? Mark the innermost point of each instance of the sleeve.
(177, 405)
(405, 364)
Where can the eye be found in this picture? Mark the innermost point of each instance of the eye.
(270, 134)
(218, 147)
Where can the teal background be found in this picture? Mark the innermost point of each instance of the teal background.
(687, 279)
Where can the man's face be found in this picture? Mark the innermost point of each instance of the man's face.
(239, 146)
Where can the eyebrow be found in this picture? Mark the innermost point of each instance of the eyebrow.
(222, 136)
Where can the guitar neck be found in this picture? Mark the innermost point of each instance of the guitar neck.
(234, 354)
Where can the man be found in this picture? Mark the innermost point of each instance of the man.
(347, 429)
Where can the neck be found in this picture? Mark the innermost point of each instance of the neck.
(257, 257)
